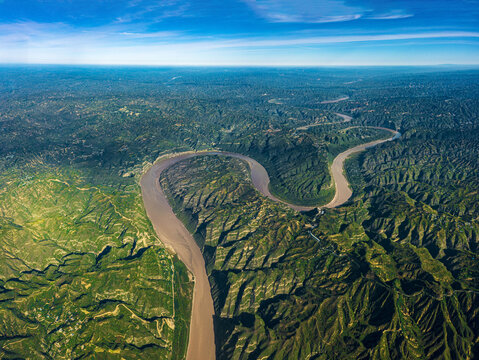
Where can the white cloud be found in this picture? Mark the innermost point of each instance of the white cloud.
(60, 43)
(317, 11)
(42, 35)
(279, 42)
(154, 12)
(151, 35)
(305, 11)
(391, 15)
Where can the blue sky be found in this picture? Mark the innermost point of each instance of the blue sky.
(240, 32)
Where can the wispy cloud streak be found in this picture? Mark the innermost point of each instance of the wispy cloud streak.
(315, 12)
(339, 39)
(390, 15)
(305, 11)
(59, 43)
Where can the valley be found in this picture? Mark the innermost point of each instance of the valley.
(147, 218)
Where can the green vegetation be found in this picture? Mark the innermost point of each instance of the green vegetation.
(394, 274)
(289, 286)
(429, 199)
(82, 273)
(298, 169)
(298, 161)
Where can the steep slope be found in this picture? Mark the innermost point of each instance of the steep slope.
(297, 286)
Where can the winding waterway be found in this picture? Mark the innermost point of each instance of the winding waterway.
(174, 235)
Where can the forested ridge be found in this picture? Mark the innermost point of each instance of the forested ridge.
(392, 274)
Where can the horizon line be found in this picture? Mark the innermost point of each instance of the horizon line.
(238, 65)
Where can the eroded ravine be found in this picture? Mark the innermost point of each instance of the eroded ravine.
(174, 234)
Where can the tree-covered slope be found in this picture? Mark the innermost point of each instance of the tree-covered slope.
(298, 161)
(296, 286)
(393, 274)
(423, 191)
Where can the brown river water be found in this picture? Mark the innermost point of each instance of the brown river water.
(175, 236)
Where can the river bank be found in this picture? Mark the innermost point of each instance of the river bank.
(174, 235)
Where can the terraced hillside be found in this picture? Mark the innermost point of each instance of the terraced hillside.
(289, 286)
(81, 273)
